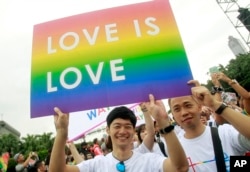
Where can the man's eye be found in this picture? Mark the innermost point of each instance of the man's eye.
(128, 127)
(176, 109)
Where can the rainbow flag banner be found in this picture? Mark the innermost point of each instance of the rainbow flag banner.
(106, 58)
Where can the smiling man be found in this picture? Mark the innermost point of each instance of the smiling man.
(197, 139)
(121, 123)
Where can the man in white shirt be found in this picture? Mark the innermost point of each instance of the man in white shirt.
(121, 123)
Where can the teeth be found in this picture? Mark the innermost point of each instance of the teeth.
(122, 138)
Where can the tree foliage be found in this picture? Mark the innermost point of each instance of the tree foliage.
(238, 69)
(37, 143)
(9, 143)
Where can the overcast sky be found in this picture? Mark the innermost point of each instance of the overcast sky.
(203, 26)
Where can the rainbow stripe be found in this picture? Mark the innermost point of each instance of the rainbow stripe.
(143, 36)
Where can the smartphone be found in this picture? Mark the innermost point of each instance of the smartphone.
(214, 69)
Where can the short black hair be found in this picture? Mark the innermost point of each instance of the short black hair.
(95, 141)
(121, 112)
(38, 163)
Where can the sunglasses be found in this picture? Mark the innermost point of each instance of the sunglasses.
(120, 166)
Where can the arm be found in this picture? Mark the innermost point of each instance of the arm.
(177, 160)
(237, 87)
(77, 157)
(239, 121)
(216, 83)
(26, 163)
(57, 159)
(149, 138)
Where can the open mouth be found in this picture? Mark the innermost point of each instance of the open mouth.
(122, 138)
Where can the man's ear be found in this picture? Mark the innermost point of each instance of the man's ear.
(107, 130)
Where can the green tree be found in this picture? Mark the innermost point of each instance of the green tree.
(38, 143)
(45, 141)
(9, 143)
(238, 69)
(30, 143)
(41, 144)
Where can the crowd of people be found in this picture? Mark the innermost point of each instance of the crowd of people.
(201, 134)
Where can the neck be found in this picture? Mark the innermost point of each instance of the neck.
(122, 155)
(194, 131)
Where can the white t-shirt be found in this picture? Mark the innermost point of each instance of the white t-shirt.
(200, 151)
(146, 162)
(156, 148)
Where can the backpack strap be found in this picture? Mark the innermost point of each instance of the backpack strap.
(161, 145)
(218, 151)
(210, 123)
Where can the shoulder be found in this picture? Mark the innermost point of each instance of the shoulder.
(19, 167)
(147, 156)
(226, 128)
(91, 163)
(228, 134)
(147, 159)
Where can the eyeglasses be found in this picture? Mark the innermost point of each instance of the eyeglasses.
(120, 166)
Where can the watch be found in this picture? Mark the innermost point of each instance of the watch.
(216, 90)
(222, 107)
(167, 129)
(233, 81)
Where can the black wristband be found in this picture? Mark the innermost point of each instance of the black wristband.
(166, 130)
(222, 107)
(218, 89)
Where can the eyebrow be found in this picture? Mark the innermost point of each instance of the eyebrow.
(118, 123)
(184, 103)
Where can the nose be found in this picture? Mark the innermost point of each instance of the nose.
(122, 130)
(184, 112)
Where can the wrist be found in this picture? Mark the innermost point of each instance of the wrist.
(227, 80)
(62, 133)
(232, 82)
(163, 123)
(221, 108)
(216, 90)
(167, 129)
(215, 105)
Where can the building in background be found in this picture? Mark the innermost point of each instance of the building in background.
(99, 133)
(5, 128)
(236, 46)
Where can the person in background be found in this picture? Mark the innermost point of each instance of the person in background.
(47, 159)
(244, 94)
(206, 114)
(40, 166)
(11, 165)
(103, 145)
(96, 147)
(85, 150)
(22, 163)
(74, 152)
